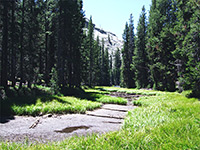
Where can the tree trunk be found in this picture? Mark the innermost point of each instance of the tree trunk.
(46, 46)
(31, 50)
(4, 61)
(22, 48)
(60, 48)
(13, 55)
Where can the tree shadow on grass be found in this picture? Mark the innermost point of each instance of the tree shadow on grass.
(50, 98)
(101, 89)
(27, 96)
(81, 94)
(23, 98)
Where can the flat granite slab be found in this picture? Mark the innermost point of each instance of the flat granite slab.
(111, 111)
(118, 107)
(107, 114)
(55, 128)
(58, 127)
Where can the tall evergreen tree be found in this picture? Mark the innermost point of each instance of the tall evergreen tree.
(1, 22)
(140, 61)
(69, 38)
(131, 50)
(161, 44)
(14, 45)
(106, 69)
(62, 48)
(33, 42)
(91, 51)
(125, 67)
(22, 31)
(84, 61)
(38, 35)
(117, 66)
(51, 25)
(97, 62)
(102, 62)
(4, 55)
(128, 78)
(111, 69)
(187, 45)
(78, 24)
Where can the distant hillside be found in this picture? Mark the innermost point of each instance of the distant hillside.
(114, 42)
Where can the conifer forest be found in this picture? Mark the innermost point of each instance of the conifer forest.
(67, 84)
(42, 42)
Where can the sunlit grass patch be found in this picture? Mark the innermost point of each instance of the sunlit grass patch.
(112, 100)
(131, 91)
(39, 105)
(107, 88)
(97, 91)
(99, 96)
(57, 105)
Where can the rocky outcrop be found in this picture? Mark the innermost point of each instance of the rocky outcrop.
(112, 42)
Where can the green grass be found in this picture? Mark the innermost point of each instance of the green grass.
(96, 91)
(39, 101)
(112, 100)
(130, 91)
(164, 121)
(97, 95)
(56, 105)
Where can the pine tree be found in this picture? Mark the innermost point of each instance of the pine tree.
(117, 66)
(187, 45)
(38, 35)
(102, 62)
(128, 78)
(193, 44)
(61, 35)
(111, 71)
(140, 61)
(78, 24)
(14, 45)
(125, 67)
(22, 31)
(54, 81)
(51, 23)
(69, 36)
(84, 61)
(161, 44)
(91, 51)
(131, 50)
(97, 62)
(33, 28)
(4, 55)
(1, 22)
(106, 69)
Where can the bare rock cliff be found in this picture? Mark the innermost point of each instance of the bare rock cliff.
(112, 42)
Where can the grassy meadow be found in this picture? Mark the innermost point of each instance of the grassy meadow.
(69, 101)
(164, 120)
